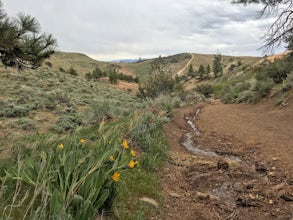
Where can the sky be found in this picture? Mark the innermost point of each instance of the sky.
(128, 29)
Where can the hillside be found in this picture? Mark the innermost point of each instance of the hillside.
(80, 62)
(62, 130)
(174, 64)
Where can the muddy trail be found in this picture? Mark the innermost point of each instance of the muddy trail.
(229, 162)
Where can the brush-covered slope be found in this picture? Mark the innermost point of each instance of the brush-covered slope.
(80, 62)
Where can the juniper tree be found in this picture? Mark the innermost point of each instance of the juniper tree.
(190, 71)
(201, 72)
(217, 65)
(281, 30)
(21, 44)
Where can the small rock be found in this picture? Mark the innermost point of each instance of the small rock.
(287, 197)
(203, 196)
(271, 202)
(222, 164)
(238, 186)
(275, 158)
(149, 201)
(250, 186)
(279, 187)
(261, 167)
(175, 195)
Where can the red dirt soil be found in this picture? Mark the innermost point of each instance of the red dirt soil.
(246, 171)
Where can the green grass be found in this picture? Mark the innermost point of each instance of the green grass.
(43, 181)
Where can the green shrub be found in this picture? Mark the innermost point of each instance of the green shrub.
(67, 122)
(96, 113)
(49, 64)
(288, 83)
(72, 71)
(277, 71)
(262, 89)
(205, 89)
(13, 110)
(157, 84)
(61, 69)
(26, 124)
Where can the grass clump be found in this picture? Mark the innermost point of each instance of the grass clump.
(71, 178)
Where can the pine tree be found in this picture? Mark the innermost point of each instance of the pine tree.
(208, 70)
(217, 65)
(190, 71)
(201, 72)
(21, 44)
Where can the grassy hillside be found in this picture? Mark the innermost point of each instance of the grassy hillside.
(61, 135)
(80, 62)
(170, 64)
(173, 64)
(249, 80)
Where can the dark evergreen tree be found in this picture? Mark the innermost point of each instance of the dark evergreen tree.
(201, 72)
(98, 73)
(217, 65)
(191, 71)
(21, 44)
(208, 70)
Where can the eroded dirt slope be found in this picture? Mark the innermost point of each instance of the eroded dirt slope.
(240, 167)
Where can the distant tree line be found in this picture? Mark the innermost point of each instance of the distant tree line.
(112, 74)
(205, 72)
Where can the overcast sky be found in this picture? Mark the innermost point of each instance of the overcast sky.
(118, 29)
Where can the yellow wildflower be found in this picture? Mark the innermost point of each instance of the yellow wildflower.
(116, 177)
(82, 141)
(111, 158)
(125, 144)
(133, 153)
(131, 164)
(60, 146)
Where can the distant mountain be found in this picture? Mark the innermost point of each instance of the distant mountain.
(127, 60)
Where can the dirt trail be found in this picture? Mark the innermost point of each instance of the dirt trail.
(186, 66)
(241, 166)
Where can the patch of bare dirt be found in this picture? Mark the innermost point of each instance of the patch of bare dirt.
(131, 87)
(241, 166)
(275, 57)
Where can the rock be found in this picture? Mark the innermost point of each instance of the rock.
(261, 167)
(222, 164)
(238, 187)
(205, 196)
(150, 202)
(287, 197)
(247, 202)
(279, 187)
(250, 186)
(175, 195)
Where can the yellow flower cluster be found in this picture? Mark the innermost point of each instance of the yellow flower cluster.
(116, 177)
(132, 164)
(60, 146)
(125, 144)
(82, 141)
(133, 153)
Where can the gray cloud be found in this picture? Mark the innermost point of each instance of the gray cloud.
(115, 29)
